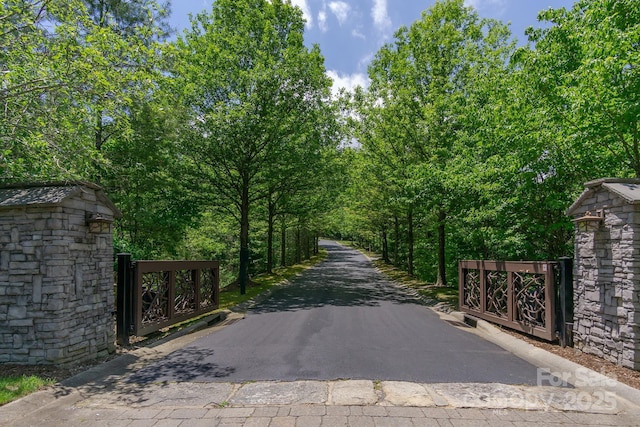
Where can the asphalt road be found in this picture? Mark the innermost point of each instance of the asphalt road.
(341, 320)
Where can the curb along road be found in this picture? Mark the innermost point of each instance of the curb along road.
(102, 396)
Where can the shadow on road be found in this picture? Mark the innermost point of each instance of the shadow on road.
(186, 364)
(346, 278)
(308, 330)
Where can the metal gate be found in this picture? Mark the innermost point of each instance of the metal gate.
(528, 296)
(152, 295)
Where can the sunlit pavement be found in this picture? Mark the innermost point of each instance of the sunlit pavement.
(567, 394)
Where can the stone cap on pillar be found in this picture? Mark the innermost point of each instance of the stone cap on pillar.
(626, 188)
(50, 194)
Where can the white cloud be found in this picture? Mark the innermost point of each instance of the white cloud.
(358, 34)
(306, 12)
(322, 21)
(381, 19)
(364, 62)
(341, 10)
(347, 81)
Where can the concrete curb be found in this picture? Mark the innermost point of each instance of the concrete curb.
(344, 393)
(572, 373)
(102, 389)
(108, 373)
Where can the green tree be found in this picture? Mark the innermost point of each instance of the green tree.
(295, 182)
(39, 74)
(428, 76)
(383, 125)
(253, 89)
(68, 83)
(585, 67)
(568, 118)
(128, 34)
(146, 181)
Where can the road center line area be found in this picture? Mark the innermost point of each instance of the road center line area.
(339, 345)
(341, 320)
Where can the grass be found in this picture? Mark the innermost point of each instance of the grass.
(232, 297)
(12, 388)
(445, 294)
(263, 282)
(15, 387)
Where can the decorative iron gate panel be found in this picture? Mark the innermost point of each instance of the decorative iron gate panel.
(169, 292)
(519, 295)
(152, 295)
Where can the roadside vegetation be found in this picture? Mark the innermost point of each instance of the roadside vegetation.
(17, 381)
(431, 292)
(15, 387)
(434, 294)
(265, 281)
(226, 141)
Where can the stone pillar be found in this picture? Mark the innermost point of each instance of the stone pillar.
(606, 272)
(56, 275)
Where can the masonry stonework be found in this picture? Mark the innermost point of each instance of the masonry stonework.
(607, 271)
(56, 273)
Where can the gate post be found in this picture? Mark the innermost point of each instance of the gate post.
(123, 299)
(565, 295)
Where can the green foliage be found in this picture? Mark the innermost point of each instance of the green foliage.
(68, 80)
(431, 293)
(40, 68)
(464, 137)
(146, 184)
(257, 99)
(225, 144)
(12, 388)
(133, 121)
(584, 68)
(213, 237)
(264, 282)
(418, 120)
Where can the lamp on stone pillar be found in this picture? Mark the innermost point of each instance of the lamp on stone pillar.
(98, 223)
(589, 221)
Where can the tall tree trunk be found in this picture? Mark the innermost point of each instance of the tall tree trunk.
(442, 266)
(410, 242)
(396, 240)
(385, 246)
(307, 244)
(270, 227)
(283, 242)
(243, 276)
(298, 246)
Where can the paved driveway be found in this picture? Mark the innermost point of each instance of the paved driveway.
(341, 320)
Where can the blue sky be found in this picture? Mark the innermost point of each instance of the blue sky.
(350, 32)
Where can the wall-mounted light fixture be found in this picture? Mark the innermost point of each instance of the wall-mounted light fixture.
(98, 223)
(589, 221)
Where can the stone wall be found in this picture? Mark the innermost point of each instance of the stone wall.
(607, 279)
(56, 281)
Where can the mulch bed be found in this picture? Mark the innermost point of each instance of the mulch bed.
(624, 375)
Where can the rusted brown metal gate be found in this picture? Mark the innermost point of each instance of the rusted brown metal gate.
(152, 295)
(519, 295)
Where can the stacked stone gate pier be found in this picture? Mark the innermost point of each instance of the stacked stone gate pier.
(607, 270)
(56, 273)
